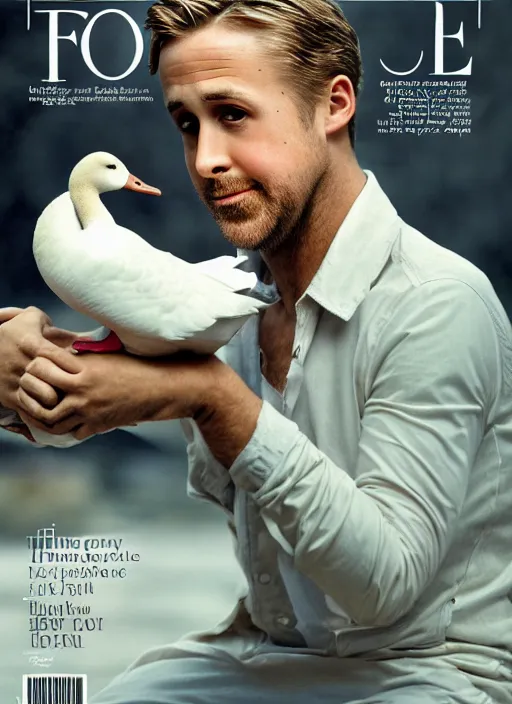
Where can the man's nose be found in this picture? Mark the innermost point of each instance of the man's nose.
(212, 155)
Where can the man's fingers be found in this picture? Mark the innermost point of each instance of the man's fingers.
(37, 314)
(61, 359)
(39, 390)
(46, 419)
(46, 371)
(9, 313)
(69, 425)
(72, 423)
(33, 409)
(59, 336)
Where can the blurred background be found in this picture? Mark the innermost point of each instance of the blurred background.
(133, 485)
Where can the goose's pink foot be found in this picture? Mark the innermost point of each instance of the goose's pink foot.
(110, 344)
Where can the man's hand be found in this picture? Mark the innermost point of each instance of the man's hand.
(107, 391)
(24, 334)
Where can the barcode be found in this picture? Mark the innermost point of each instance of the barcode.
(54, 689)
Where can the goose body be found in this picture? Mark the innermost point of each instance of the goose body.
(154, 302)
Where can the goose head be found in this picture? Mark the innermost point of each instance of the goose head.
(103, 172)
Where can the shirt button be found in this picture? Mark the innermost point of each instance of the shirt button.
(264, 578)
(283, 620)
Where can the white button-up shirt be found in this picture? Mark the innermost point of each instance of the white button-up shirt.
(372, 506)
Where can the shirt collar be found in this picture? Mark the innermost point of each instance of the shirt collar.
(357, 255)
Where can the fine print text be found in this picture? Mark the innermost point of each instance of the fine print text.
(63, 576)
(59, 96)
(425, 107)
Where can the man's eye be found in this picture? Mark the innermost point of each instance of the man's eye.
(188, 124)
(232, 114)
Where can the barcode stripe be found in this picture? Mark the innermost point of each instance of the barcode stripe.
(54, 689)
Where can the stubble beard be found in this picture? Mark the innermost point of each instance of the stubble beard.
(272, 222)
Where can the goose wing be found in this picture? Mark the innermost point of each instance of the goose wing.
(119, 279)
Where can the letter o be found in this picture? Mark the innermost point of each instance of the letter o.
(85, 45)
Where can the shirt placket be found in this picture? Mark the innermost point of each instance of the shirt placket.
(307, 318)
(268, 601)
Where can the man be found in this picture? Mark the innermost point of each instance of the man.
(370, 491)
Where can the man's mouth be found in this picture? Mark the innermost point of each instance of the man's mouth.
(230, 196)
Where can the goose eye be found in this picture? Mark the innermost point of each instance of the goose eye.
(111, 166)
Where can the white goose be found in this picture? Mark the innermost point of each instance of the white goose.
(155, 303)
(151, 302)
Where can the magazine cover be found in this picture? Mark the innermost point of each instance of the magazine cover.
(106, 548)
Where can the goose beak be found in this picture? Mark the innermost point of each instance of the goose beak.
(135, 184)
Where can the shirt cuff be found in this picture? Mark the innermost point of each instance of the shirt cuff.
(273, 439)
(207, 478)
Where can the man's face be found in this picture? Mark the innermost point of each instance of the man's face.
(242, 135)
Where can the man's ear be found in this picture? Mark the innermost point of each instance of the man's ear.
(341, 104)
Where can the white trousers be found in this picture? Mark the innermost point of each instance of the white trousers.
(247, 668)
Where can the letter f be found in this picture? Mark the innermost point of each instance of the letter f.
(53, 42)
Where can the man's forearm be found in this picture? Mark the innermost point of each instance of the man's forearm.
(228, 420)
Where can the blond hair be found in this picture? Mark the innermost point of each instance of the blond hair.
(312, 39)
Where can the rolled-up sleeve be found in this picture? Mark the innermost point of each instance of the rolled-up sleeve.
(207, 478)
(373, 541)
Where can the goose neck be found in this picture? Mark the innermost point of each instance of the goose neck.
(88, 206)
